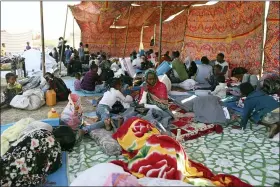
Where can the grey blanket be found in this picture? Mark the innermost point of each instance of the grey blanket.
(207, 109)
(154, 116)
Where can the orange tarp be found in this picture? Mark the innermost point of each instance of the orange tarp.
(233, 28)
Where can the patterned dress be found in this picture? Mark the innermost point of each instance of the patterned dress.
(28, 163)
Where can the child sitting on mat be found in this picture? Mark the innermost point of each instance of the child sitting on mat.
(213, 78)
(91, 82)
(13, 89)
(77, 83)
(221, 89)
(104, 107)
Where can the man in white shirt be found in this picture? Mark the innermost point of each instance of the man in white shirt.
(136, 63)
(225, 67)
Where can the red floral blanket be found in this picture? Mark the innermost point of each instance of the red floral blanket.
(150, 154)
(190, 129)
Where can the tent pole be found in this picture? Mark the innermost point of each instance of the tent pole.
(160, 32)
(61, 54)
(262, 47)
(126, 32)
(185, 29)
(73, 33)
(141, 38)
(42, 38)
(115, 43)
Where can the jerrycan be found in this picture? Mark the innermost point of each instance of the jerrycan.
(53, 114)
(50, 98)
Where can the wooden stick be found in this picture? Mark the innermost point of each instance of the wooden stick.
(42, 38)
(262, 45)
(126, 32)
(61, 54)
(160, 32)
(73, 33)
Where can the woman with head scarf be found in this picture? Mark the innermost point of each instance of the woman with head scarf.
(154, 90)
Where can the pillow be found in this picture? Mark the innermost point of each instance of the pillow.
(121, 179)
(104, 139)
(164, 79)
(97, 175)
(147, 181)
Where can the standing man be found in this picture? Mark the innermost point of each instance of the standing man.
(28, 46)
(81, 52)
(225, 67)
(3, 49)
(68, 54)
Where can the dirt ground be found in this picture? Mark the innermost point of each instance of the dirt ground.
(10, 115)
(13, 115)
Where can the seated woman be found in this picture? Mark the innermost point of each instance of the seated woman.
(256, 106)
(74, 66)
(91, 82)
(203, 71)
(243, 76)
(154, 92)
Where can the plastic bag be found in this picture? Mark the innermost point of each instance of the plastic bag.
(72, 113)
(188, 84)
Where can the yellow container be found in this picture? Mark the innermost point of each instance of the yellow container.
(50, 98)
(53, 114)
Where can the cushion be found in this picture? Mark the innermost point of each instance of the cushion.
(104, 139)
(164, 79)
(97, 175)
(147, 181)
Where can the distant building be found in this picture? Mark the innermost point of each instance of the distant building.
(16, 42)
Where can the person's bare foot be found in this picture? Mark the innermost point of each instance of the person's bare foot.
(273, 130)
(108, 125)
(120, 122)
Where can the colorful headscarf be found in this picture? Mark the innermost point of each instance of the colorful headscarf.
(151, 71)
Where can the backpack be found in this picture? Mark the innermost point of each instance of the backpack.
(58, 85)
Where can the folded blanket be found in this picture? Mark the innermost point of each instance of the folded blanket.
(150, 154)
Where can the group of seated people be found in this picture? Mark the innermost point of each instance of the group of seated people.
(155, 92)
(153, 95)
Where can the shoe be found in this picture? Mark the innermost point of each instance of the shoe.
(273, 130)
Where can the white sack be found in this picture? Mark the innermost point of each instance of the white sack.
(29, 100)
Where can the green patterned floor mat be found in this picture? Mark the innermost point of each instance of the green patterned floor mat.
(250, 155)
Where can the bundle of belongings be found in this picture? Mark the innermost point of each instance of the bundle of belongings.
(31, 150)
(11, 62)
(25, 94)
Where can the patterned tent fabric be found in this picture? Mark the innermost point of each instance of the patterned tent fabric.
(233, 28)
(95, 19)
(271, 49)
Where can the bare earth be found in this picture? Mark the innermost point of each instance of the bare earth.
(13, 115)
